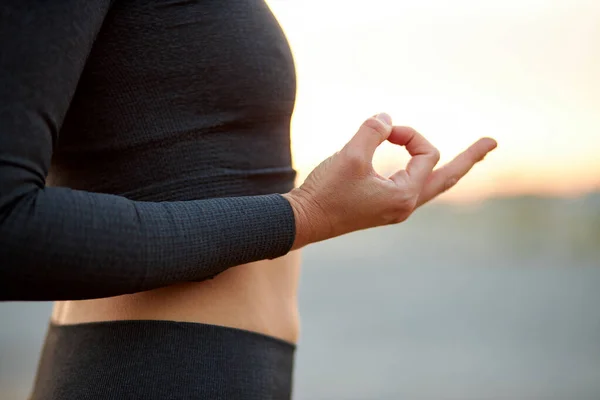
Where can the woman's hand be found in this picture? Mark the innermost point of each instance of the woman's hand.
(345, 194)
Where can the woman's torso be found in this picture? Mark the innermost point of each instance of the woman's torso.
(185, 101)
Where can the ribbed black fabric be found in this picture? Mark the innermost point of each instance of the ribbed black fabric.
(162, 127)
(129, 360)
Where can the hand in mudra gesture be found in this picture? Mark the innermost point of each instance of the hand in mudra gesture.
(344, 193)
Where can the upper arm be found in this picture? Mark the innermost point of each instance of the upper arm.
(43, 49)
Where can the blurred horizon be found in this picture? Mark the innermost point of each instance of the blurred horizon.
(498, 300)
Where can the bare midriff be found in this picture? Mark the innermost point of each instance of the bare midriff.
(259, 297)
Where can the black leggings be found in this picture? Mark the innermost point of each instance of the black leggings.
(162, 360)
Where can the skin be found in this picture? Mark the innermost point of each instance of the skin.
(342, 195)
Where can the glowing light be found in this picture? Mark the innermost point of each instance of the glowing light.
(523, 72)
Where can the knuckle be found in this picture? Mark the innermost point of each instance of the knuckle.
(405, 201)
(412, 192)
(402, 212)
(376, 127)
(401, 205)
(412, 203)
(353, 159)
(450, 182)
(435, 154)
(473, 155)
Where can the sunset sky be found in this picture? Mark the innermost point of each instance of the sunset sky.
(526, 72)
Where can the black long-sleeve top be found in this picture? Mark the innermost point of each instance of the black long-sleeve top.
(142, 143)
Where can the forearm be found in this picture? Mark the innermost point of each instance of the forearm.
(63, 244)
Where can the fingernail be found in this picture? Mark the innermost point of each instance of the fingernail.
(385, 118)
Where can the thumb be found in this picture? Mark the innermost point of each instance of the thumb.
(370, 135)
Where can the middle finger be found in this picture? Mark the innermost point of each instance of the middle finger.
(447, 176)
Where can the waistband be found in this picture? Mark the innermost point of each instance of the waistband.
(162, 360)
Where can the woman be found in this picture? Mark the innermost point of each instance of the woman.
(146, 181)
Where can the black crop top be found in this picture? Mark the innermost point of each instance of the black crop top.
(142, 143)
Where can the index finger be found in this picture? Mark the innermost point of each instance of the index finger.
(424, 155)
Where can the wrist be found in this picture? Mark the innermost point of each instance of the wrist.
(304, 224)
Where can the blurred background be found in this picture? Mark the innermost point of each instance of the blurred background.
(492, 291)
